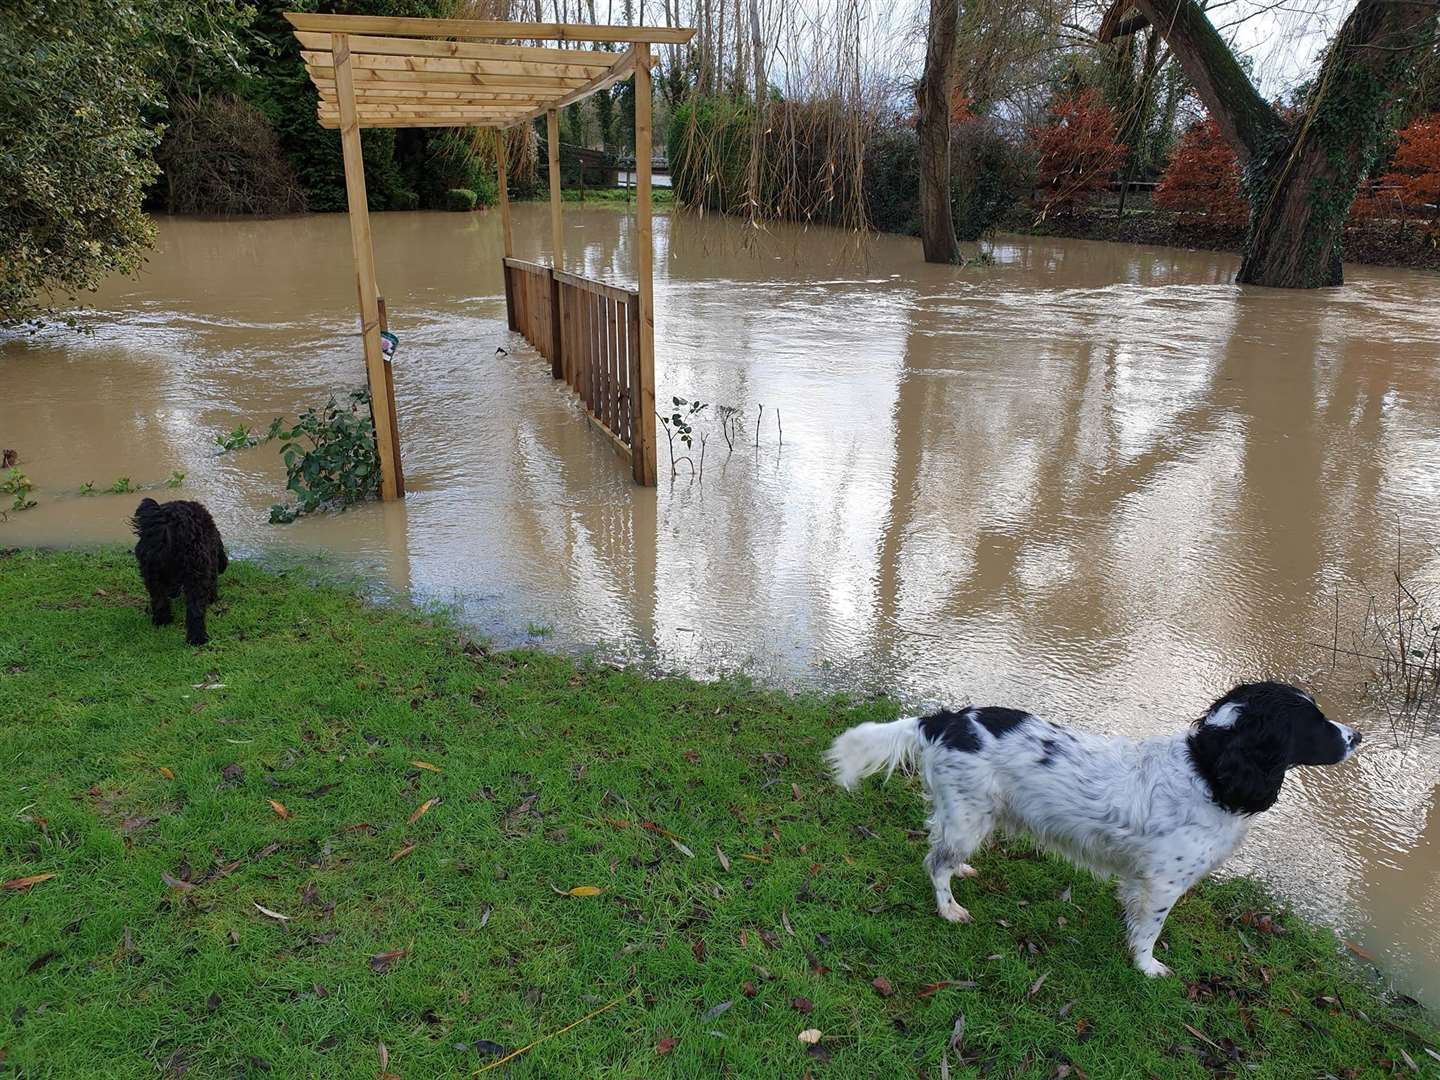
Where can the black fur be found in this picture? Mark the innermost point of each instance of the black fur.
(179, 550)
(1276, 728)
(952, 728)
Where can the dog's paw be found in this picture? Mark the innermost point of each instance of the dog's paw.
(953, 912)
(1152, 968)
(966, 870)
(198, 640)
(163, 619)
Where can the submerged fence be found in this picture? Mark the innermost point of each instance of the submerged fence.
(590, 333)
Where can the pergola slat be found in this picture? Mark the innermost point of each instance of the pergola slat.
(620, 71)
(385, 46)
(545, 69)
(392, 26)
(455, 79)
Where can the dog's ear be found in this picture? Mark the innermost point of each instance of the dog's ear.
(1249, 761)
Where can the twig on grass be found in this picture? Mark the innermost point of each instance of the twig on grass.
(545, 1038)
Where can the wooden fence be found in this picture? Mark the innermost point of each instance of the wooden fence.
(590, 333)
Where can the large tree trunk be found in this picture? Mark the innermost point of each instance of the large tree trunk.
(1300, 179)
(937, 226)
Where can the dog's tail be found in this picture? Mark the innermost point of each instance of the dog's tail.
(868, 748)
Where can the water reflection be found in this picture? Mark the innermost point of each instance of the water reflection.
(1095, 480)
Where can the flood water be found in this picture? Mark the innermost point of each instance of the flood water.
(1097, 481)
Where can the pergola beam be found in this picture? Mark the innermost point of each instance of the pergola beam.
(546, 69)
(620, 71)
(391, 26)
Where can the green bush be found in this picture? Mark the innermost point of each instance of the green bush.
(709, 152)
(892, 180)
(460, 199)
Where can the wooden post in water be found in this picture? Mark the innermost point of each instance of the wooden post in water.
(557, 236)
(382, 407)
(643, 448)
(502, 178)
(390, 397)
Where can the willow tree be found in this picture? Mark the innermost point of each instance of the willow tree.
(932, 126)
(1300, 174)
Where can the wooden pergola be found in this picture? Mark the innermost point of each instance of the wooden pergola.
(377, 71)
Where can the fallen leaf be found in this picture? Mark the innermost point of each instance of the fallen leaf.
(173, 882)
(384, 1057)
(382, 962)
(802, 1005)
(279, 808)
(795, 791)
(697, 947)
(399, 854)
(421, 810)
(1358, 951)
(1201, 1036)
(818, 1052)
(810, 1036)
(944, 1066)
(785, 922)
(166, 773)
(665, 1045)
(1065, 1009)
(233, 773)
(584, 890)
(957, 1033)
(724, 862)
(956, 984)
(882, 986)
(270, 914)
(485, 916)
(1035, 986)
(426, 765)
(716, 1010)
(207, 685)
(1409, 1060)
(748, 988)
(682, 848)
(486, 1048)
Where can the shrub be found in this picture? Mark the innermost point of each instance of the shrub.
(892, 180)
(1412, 183)
(460, 199)
(988, 173)
(1075, 153)
(221, 156)
(1203, 179)
(339, 467)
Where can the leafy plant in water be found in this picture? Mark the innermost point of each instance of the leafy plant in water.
(17, 485)
(121, 486)
(176, 478)
(679, 423)
(330, 457)
(240, 438)
(87, 488)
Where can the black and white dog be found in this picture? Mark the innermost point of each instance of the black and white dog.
(1159, 814)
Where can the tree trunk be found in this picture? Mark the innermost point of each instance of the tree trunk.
(1299, 180)
(937, 225)
(761, 104)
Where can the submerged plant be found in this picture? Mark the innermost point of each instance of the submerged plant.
(87, 488)
(176, 478)
(330, 457)
(680, 424)
(18, 486)
(121, 486)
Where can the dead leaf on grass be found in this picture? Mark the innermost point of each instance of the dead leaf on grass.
(380, 963)
(716, 1010)
(426, 765)
(580, 890)
(785, 922)
(957, 1033)
(665, 1045)
(396, 856)
(802, 1005)
(270, 914)
(724, 862)
(421, 810)
(882, 986)
(1037, 984)
(166, 773)
(176, 883)
(279, 808)
(810, 1036)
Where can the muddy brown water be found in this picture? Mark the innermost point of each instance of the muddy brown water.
(1097, 481)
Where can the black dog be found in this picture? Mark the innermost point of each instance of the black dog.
(179, 548)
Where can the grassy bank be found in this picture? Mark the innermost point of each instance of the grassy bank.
(433, 820)
(660, 197)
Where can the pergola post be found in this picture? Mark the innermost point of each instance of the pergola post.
(643, 450)
(557, 244)
(381, 405)
(502, 183)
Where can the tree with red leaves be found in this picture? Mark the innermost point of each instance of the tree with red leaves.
(1202, 179)
(1412, 186)
(1076, 152)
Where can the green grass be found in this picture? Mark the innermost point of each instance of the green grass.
(660, 198)
(546, 769)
